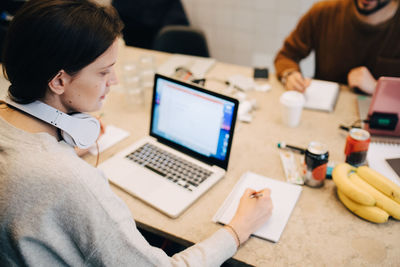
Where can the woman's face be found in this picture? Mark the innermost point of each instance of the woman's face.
(86, 91)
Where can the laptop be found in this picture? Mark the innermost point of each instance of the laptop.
(186, 152)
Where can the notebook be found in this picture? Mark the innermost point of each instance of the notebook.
(321, 95)
(189, 125)
(284, 198)
(383, 157)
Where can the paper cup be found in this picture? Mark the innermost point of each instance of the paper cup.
(292, 103)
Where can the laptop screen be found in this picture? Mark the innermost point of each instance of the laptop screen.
(196, 121)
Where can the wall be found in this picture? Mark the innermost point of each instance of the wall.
(247, 32)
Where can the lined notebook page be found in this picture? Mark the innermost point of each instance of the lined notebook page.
(321, 95)
(377, 155)
(284, 197)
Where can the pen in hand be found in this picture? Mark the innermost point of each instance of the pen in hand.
(256, 195)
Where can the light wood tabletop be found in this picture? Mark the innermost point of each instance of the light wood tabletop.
(320, 231)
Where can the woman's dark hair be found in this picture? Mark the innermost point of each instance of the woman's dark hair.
(47, 36)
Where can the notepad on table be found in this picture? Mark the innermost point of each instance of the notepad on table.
(111, 136)
(382, 158)
(284, 197)
(321, 95)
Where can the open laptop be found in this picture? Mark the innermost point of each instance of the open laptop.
(188, 149)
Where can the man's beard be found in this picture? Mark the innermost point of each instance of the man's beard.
(380, 5)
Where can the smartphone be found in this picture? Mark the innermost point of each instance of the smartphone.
(260, 73)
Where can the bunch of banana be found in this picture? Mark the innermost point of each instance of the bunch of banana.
(367, 193)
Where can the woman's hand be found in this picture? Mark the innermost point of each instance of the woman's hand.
(252, 213)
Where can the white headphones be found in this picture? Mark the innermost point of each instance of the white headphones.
(80, 129)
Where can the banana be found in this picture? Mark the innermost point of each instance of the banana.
(340, 177)
(372, 214)
(380, 182)
(382, 201)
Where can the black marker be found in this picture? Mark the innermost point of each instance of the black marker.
(283, 145)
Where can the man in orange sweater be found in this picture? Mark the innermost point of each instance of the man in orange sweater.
(355, 41)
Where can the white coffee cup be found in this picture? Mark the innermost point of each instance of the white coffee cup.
(292, 103)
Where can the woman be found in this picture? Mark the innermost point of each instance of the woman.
(55, 209)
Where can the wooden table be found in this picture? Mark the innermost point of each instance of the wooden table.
(320, 231)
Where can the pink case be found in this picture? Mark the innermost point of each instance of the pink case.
(386, 99)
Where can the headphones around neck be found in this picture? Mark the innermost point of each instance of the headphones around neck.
(79, 129)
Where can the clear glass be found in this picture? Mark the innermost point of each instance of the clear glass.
(132, 84)
(147, 70)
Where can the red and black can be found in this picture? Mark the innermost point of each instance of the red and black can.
(357, 143)
(316, 159)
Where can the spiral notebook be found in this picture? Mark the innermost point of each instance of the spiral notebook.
(385, 159)
(284, 198)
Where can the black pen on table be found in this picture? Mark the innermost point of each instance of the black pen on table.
(283, 145)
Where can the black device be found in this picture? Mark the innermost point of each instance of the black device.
(383, 121)
(261, 73)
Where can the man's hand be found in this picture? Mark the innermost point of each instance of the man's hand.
(296, 81)
(362, 79)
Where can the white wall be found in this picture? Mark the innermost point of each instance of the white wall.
(247, 32)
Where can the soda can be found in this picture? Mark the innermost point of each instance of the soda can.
(357, 143)
(316, 160)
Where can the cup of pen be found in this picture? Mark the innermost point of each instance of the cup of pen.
(292, 103)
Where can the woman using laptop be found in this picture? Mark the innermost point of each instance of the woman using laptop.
(56, 209)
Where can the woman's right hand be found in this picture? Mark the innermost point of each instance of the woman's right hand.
(252, 213)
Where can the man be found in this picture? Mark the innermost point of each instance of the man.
(355, 41)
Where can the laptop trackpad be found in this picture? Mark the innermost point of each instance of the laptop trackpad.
(131, 177)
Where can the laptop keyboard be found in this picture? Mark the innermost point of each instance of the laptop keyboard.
(171, 167)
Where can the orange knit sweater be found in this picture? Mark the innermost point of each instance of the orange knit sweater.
(342, 42)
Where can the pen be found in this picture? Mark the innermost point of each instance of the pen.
(283, 145)
(256, 195)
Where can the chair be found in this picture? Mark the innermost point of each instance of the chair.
(3, 33)
(181, 39)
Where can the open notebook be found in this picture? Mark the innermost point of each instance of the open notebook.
(384, 158)
(284, 197)
(321, 95)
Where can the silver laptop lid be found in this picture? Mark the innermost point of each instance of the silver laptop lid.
(193, 120)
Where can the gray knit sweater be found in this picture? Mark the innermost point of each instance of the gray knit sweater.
(57, 210)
